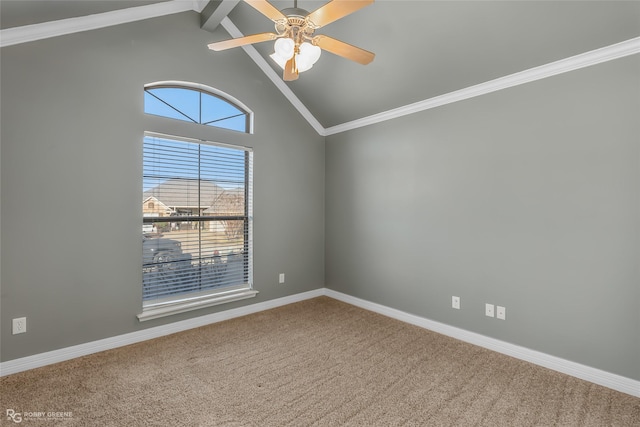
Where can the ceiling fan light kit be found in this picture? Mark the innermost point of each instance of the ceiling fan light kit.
(305, 56)
(296, 48)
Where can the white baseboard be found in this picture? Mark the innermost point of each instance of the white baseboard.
(55, 356)
(587, 373)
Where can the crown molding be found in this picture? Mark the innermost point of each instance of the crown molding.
(199, 5)
(18, 35)
(597, 56)
(29, 33)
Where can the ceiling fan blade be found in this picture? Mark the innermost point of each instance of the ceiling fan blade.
(335, 10)
(290, 70)
(267, 9)
(241, 41)
(344, 49)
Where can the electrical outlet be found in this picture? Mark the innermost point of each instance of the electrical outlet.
(19, 325)
(501, 313)
(455, 302)
(281, 278)
(488, 310)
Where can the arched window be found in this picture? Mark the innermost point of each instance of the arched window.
(196, 104)
(198, 244)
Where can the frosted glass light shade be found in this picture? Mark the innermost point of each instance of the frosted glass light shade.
(309, 55)
(283, 51)
(279, 60)
(284, 48)
(310, 51)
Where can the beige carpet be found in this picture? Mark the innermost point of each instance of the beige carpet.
(319, 362)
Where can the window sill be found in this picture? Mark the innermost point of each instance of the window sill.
(151, 313)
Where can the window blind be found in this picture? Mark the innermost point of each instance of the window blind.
(196, 219)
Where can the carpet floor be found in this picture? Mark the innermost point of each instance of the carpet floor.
(318, 362)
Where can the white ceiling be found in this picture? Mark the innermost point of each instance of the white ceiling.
(427, 52)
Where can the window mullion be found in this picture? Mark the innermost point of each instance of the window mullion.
(224, 118)
(171, 106)
(200, 215)
(246, 236)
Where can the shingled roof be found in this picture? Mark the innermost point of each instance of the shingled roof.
(183, 193)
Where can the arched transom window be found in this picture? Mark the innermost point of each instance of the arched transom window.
(196, 104)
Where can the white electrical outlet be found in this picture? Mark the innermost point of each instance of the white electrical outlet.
(19, 325)
(455, 302)
(501, 313)
(488, 310)
(281, 278)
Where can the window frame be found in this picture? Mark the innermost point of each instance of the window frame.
(179, 303)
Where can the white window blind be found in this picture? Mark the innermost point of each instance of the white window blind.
(197, 213)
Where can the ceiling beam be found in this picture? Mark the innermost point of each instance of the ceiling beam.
(214, 12)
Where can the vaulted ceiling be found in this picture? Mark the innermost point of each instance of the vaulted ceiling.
(428, 53)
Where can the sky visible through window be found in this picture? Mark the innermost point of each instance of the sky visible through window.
(168, 159)
(194, 106)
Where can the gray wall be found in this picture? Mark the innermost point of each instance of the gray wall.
(72, 127)
(527, 198)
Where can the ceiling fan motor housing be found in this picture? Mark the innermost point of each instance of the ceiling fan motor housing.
(296, 21)
(294, 12)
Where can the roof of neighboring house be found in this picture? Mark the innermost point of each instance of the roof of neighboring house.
(155, 200)
(150, 199)
(183, 193)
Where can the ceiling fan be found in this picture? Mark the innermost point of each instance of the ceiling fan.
(296, 48)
